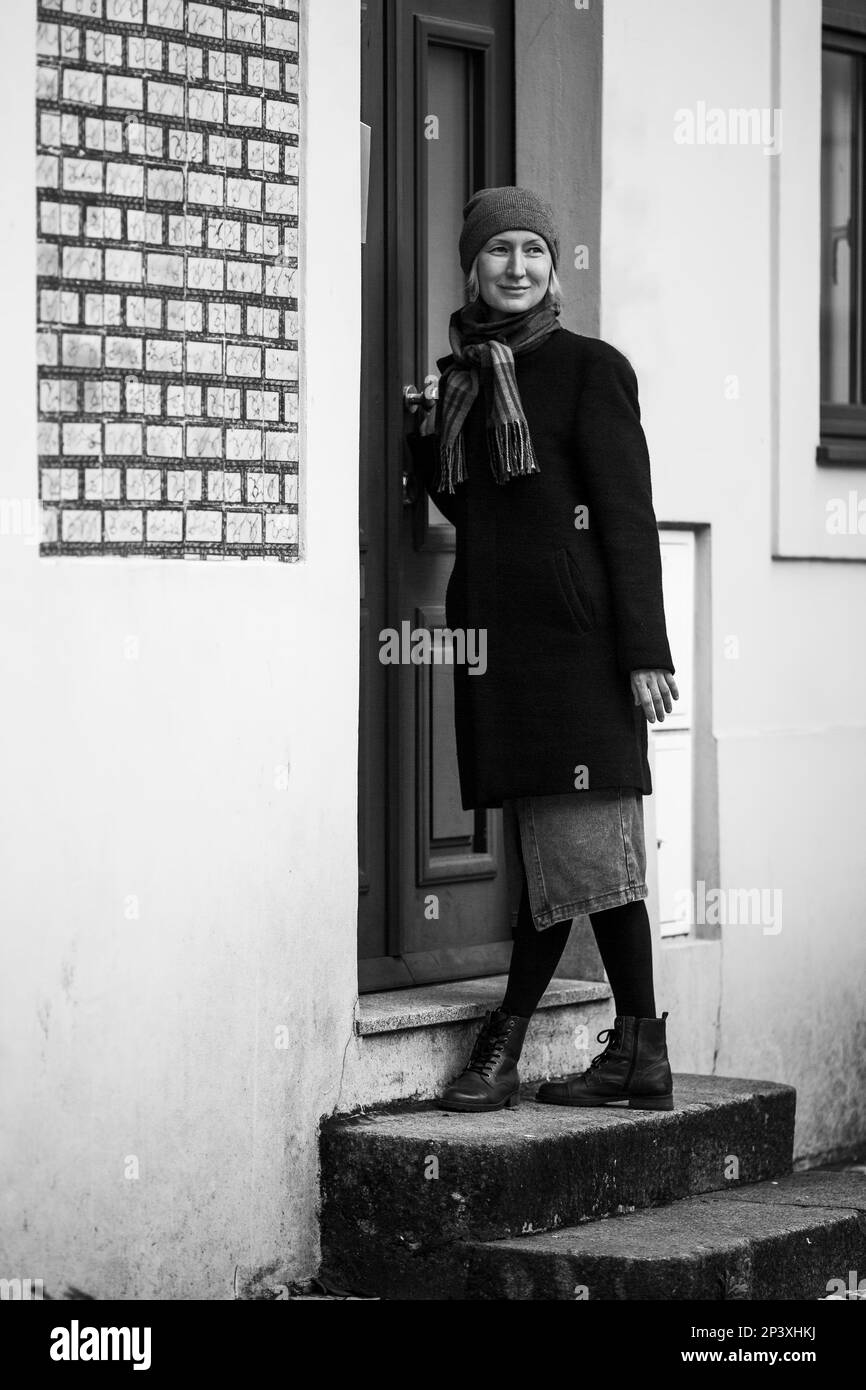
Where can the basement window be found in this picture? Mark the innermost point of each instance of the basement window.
(673, 741)
(843, 238)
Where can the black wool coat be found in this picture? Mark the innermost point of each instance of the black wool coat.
(569, 610)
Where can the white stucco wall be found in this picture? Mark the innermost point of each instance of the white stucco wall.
(688, 263)
(157, 779)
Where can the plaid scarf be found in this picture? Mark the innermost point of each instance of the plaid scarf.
(478, 344)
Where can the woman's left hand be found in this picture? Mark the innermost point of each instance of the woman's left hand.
(655, 691)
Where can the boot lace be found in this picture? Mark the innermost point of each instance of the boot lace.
(609, 1036)
(489, 1046)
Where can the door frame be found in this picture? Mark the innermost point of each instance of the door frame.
(404, 246)
(558, 152)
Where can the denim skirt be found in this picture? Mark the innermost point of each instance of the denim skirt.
(581, 852)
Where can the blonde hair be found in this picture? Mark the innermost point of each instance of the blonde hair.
(554, 289)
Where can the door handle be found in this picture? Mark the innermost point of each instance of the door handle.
(426, 399)
(413, 401)
(409, 488)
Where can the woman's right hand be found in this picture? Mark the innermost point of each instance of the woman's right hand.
(655, 691)
(427, 412)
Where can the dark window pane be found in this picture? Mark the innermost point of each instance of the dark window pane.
(450, 98)
(838, 228)
(449, 76)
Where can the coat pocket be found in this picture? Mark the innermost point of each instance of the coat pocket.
(573, 590)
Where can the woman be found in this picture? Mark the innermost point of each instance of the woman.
(538, 457)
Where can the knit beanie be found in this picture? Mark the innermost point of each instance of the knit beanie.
(494, 210)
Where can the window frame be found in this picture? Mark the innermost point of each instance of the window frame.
(843, 425)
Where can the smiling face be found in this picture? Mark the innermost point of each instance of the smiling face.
(513, 272)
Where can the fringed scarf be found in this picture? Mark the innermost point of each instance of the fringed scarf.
(479, 343)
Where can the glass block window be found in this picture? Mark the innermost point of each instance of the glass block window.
(167, 296)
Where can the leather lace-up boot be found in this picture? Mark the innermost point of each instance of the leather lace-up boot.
(634, 1066)
(490, 1081)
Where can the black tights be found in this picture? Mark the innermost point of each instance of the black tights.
(623, 938)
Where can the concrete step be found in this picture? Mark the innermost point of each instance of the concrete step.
(409, 1043)
(404, 1190)
(802, 1237)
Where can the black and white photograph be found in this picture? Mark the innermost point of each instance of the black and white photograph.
(432, 613)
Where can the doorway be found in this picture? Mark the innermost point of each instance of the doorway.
(438, 93)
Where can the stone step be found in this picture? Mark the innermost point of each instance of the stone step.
(404, 1190)
(803, 1237)
(409, 1043)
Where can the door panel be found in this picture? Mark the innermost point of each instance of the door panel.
(445, 128)
(372, 727)
(452, 844)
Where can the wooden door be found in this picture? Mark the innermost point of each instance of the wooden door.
(438, 93)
